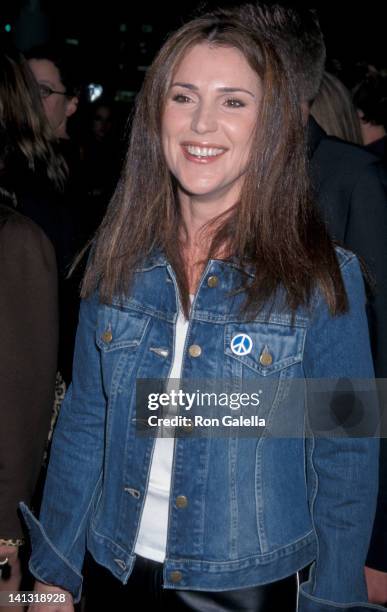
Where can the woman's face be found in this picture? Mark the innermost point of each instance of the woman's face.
(209, 120)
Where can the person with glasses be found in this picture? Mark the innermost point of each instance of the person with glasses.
(59, 89)
(59, 83)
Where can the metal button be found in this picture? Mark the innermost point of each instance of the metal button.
(175, 576)
(195, 350)
(212, 281)
(181, 501)
(134, 492)
(121, 564)
(266, 358)
(107, 336)
(162, 352)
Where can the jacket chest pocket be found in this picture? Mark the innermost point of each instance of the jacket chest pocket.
(119, 336)
(263, 349)
(265, 359)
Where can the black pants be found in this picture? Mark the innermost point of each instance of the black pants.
(144, 591)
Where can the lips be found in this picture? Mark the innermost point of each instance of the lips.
(202, 153)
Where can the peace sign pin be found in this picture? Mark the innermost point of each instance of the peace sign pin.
(241, 345)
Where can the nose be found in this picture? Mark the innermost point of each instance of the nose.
(204, 119)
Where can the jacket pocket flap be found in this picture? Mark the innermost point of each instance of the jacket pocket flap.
(117, 329)
(265, 348)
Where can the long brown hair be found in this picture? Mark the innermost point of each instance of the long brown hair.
(24, 128)
(274, 227)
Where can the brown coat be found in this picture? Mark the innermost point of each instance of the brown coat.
(28, 359)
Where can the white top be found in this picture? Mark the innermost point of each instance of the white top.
(152, 535)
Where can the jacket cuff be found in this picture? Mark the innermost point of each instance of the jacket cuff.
(47, 563)
(309, 603)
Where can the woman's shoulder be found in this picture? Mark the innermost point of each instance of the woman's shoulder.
(354, 279)
(344, 256)
(19, 234)
(353, 270)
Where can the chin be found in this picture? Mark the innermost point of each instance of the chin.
(199, 189)
(200, 194)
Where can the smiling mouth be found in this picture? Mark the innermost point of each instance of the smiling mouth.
(202, 154)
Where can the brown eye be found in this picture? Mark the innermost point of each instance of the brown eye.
(181, 98)
(234, 103)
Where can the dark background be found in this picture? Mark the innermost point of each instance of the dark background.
(114, 41)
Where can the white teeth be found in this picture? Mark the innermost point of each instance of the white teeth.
(203, 151)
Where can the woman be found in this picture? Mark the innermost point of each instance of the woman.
(31, 169)
(28, 312)
(28, 355)
(36, 174)
(334, 110)
(215, 172)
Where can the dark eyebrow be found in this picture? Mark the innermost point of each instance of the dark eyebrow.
(222, 89)
(235, 90)
(186, 85)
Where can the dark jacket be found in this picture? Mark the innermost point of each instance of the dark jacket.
(37, 198)
(28, 359)
(351, 189)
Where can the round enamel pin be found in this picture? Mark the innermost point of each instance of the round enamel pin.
(241, 344)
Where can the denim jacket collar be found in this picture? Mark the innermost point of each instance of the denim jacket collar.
(158, 258)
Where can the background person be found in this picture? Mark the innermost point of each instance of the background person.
(350, 185)
(57, 74)
(370, 98)
(101, 162)
(31, 178)
(334, 110)
(28, 354)
(59, 86)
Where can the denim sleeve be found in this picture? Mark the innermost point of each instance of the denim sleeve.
(58, 539)
(344, 467)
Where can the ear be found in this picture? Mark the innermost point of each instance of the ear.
(72, 105)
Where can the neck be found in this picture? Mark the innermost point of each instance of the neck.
(371, 133)
(196, 213)
(61, 131)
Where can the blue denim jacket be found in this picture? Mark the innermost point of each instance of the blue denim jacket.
(259, 509)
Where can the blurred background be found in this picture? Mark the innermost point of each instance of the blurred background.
(115, 41)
